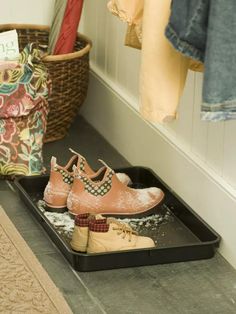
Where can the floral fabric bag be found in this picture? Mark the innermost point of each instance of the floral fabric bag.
(24, 90)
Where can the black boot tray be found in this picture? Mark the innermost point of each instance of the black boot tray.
(179, 233)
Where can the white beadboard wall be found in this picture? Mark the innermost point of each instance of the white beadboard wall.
(197, 159)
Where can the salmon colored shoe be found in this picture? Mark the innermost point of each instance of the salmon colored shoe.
(104, 193)
(61, 179)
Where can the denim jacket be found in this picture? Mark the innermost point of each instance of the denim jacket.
(205, 30)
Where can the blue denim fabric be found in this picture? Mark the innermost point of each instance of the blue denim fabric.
(205, 30)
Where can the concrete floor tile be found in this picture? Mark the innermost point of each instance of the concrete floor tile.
(3, 185)
(38, 241)
(76, 293)
(182, 288)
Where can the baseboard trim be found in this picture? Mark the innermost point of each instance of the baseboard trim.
(114, 114)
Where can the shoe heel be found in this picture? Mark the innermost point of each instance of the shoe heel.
(79, 248)
(56, 209)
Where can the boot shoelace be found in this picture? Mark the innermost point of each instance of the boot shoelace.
(124, 229)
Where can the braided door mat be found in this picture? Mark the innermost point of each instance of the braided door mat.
(25, 287)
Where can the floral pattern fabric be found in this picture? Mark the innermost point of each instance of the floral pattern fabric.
(24, 90)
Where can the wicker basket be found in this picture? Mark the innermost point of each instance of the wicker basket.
(69, 74)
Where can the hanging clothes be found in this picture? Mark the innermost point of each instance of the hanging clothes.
(163, 69)
(133, 37)
(128, 11)
(132, 13)
(204, 30)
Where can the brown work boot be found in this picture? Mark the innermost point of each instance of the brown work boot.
(104, 193)
(79, 241)
(61, 179)
(115, 236)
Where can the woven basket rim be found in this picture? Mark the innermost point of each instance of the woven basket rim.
(51, 58)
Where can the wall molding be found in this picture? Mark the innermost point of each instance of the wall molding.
(114, 114)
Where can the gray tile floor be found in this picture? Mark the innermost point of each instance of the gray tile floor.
(199, 287)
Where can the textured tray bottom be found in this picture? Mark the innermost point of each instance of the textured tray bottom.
(163, 227)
